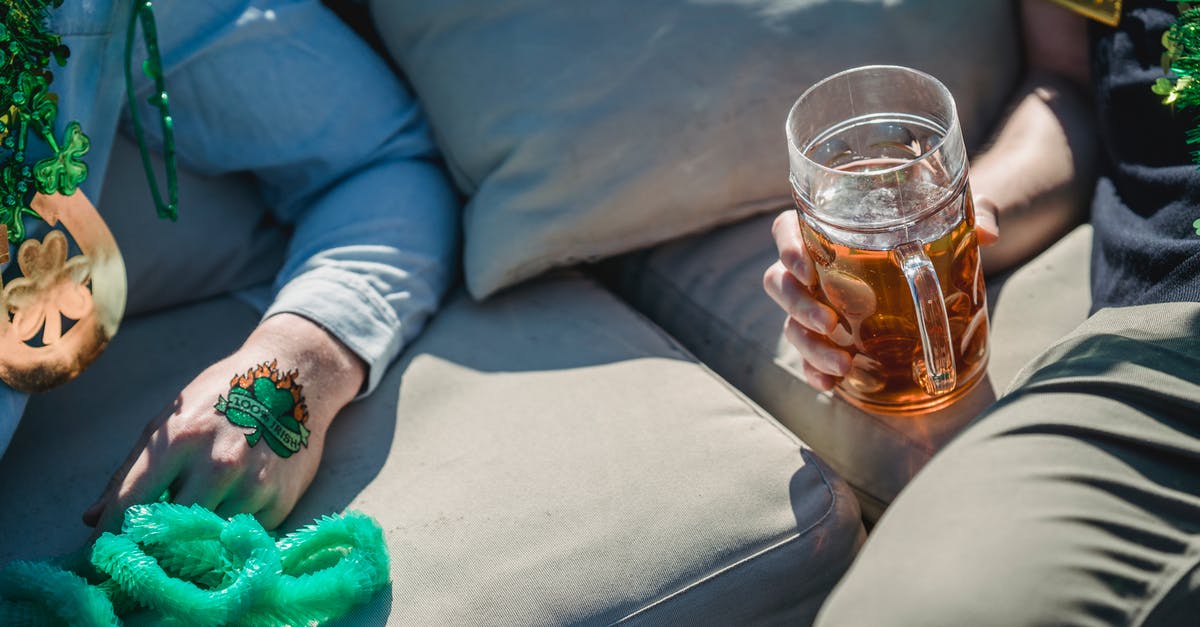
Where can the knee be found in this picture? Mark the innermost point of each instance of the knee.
(865, 600)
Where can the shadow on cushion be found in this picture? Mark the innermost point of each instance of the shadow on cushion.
(548, 457)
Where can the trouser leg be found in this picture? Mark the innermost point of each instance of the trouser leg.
(1074, 501)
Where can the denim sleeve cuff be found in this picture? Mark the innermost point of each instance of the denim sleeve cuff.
(349, 309)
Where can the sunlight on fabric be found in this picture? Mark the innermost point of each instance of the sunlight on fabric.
(253, 15)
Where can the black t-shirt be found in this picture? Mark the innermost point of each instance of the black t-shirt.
(1146, 249)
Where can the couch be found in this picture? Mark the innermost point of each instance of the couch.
(623, 442)
(640, 450)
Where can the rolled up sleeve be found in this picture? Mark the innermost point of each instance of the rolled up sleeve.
(342, 155)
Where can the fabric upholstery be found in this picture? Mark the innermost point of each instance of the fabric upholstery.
(584, 129)
(549, 457)
(707, 292)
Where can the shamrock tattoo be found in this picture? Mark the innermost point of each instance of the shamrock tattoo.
(272, 404)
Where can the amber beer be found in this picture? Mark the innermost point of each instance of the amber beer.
(877, 320)
(878, 168)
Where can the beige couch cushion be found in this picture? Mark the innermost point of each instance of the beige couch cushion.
(547, 458)
(580, 130)
(707, 292)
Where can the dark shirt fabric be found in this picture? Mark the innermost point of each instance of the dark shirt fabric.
(1146, 249)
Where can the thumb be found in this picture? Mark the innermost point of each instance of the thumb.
(987, 220)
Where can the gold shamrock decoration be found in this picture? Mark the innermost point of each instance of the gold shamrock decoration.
(88, 288)
(52, 287)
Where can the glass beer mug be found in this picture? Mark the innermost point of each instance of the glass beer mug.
(879, 174)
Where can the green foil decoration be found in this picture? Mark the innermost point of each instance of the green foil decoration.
(27, 106)
(1181, 62)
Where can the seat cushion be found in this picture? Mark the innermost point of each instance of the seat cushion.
(549, 457)
(707, 292)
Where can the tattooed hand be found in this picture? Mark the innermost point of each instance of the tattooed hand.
(247, 434)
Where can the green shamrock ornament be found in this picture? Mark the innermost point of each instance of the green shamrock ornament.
(64, 171)
(40, 105)
(272, 405)
(1196, 225)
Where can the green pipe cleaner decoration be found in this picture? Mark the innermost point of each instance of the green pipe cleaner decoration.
(40, 594)
(193, 567)
(1181, 62)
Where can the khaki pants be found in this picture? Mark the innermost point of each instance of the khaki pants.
(1075, 500)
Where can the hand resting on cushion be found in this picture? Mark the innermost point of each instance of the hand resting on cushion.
(199, 455)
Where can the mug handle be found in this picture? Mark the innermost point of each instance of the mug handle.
(939, 375)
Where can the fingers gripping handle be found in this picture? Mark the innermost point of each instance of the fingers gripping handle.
(938, 376)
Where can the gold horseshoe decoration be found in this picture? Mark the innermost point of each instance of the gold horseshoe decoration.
(55, 287)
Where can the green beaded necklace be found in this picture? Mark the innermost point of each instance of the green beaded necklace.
(27, 105)
(152, 67)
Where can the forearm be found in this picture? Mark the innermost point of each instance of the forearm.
(371, 259)
(1040, 169)
(353, 171)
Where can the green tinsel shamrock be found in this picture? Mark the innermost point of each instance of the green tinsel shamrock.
(64, 171)
(38, 102)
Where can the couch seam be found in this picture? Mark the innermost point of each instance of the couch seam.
(692, 304)
(713, 576)
(593, 252)
(754, 348)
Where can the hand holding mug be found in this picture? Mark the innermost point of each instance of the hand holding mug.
(811, 323)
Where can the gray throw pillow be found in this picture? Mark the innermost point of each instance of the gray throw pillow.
(582, 129)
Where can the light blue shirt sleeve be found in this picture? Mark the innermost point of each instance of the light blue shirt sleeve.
(284, 90)
(340, 148)
(12, 404)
